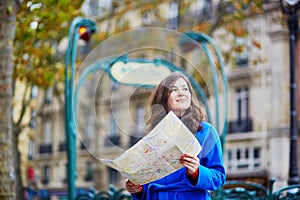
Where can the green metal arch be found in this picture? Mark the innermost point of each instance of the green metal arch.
(107, 63)
(71, 93)
(205, 40)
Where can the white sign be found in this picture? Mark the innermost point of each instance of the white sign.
(139, 73)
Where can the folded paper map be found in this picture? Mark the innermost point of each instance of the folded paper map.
(158, 153)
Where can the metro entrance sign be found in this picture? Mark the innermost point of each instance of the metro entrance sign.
(139, 72)
(142, 58)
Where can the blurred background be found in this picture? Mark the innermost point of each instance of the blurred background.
(253, 37)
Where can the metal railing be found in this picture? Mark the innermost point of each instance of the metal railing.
(111, 194)
(239, 190)
(243, 190)
(291, 192)
(231, 190)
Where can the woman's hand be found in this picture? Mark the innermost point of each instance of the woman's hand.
(132, 187)
(190, 162)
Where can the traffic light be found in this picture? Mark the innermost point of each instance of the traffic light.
(85, 33)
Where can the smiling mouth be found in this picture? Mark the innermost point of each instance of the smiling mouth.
(180, 100)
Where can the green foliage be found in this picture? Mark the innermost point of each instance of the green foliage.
(41, 25)
(237, 12)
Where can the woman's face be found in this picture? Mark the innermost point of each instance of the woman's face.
(180, 97)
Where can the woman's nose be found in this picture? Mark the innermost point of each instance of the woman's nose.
(179, 93)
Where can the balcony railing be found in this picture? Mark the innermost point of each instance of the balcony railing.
(242, 62)
(45, 181)
(30, 156)
(134, 140)
(241, 125)
(88, 177)
(84, 145)
(112, 140)
(62, 146)
(45, 148)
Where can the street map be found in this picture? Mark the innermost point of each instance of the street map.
(158, 153)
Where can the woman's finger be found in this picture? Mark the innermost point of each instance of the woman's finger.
(194, 160)
(191, 167)
(132, 187)
(190, 162)
(135, 189)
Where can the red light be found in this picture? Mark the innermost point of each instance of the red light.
(85, 33)
(82, 30)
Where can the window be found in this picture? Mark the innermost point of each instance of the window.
(243, 159)
(140, 120)
(90, 124)
(114, 176)
(62, 146)
(257, 155)
(30, 149)
(96, 7)
(204, 9)
(32, 123)
(64, 180)
(47, 131)
(113, 136)
(242, 103)
(140, 124)
(242, 122)
(48, 96)
(46, 141)
(113, 124)
(46, 174)
(63, 143)
(173, 15)
(34, 92)
(89, 131)
(89, 172)
(242, 52)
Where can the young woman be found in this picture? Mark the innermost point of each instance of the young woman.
(200, 173)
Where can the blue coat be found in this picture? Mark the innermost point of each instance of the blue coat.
(179, 186)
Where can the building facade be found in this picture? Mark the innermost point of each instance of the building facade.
(257, 141)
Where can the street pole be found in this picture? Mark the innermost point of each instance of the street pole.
(291, 7)
(70, 125)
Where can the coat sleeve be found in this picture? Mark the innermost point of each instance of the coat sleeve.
(211, 170)
(141, 195)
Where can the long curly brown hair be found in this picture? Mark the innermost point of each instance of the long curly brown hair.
(158, 105)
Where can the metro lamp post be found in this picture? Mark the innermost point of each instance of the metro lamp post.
(290, 7)
(81, 28)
